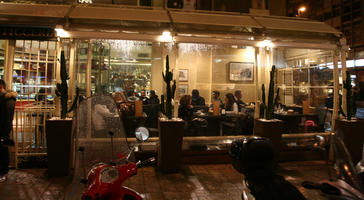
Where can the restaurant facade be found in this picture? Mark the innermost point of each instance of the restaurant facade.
(115, 49)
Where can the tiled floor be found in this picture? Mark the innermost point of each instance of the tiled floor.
(219, 181)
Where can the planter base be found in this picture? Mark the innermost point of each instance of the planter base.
(59, 141)
(170, 145)
(271, 129)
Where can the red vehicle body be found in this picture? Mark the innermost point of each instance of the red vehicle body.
(105, 182)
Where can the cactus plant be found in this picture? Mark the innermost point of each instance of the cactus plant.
(272, 101)
(350, 98)
(170, 90)
(62, 89)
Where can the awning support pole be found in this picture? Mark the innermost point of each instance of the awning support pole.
(257, 96)
(343, 75)
(336, 88)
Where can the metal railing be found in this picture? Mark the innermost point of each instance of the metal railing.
(29, 131)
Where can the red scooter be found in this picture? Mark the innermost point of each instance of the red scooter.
(104, 181)
(97, 116)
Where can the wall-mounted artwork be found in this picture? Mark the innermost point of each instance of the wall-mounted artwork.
(182, 90)
(241, 71)
(183, 75)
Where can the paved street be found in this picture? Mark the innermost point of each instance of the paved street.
(218, 181)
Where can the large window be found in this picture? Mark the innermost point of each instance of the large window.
(34, 71)
(2, 58)
(117, 65)
(305, 75)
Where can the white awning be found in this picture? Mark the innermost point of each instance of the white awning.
(295, 24)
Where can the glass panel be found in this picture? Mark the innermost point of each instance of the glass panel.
(306, 80)
(81, 65)
(33, 72)
(2, 58)
(121, 65)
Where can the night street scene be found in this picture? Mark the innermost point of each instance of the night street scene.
(181, 99)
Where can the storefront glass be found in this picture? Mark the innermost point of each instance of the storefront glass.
(2, 58)
(118, 65)
(305, 80)
(34, 71)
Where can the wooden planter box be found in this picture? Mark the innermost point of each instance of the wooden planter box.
(59, 141)
(352, 133)
(271, 129)
(170, 145)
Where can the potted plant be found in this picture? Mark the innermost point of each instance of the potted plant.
(267, 126)
(59, 130)
(349, 128)
(170, 129)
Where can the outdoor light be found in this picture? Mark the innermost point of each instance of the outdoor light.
(165, 37)
(61, 32)
(265, 43)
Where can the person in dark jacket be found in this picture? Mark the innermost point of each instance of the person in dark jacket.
(7, 105)
(185, 108)
(153, 98)
(238, 97)
(197, 100)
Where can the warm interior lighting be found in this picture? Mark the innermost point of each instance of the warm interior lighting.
(61, 32)
(166, 37)
(302, 9)
(265, 43)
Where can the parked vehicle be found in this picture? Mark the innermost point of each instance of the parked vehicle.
(104, 181)
(94, 152)
(254, 157)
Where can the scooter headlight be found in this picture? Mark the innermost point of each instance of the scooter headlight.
(109, 175)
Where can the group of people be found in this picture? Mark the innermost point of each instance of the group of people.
(232, 103)
(131, 96)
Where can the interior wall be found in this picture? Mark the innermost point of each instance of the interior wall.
(220, 72)
(198, 64)
(208, 70)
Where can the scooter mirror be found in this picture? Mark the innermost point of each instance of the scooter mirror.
(142, 133)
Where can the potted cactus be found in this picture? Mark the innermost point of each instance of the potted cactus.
(59, 130)
(170, 129)
(348, 127)
(267, 126)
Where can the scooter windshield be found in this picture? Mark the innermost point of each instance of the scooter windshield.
(344, 165)
(97, 120)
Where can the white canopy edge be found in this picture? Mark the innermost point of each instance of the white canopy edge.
(265, 23)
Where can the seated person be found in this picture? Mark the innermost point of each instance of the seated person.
(231, 106)
(185, 108)
(216, 97)
(142, 97)
(153, 98)
(131, 96)
(238, 97)
(197, 100)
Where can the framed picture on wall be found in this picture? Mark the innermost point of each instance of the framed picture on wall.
(241, 71)
(183, 75)
(182, 90)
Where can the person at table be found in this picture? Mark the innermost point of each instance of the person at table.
(185, 108)
(230, 104)
(238, 97)
(131, 96)
(197, 100)
(216, 97)
(143, 97)
(153, 98)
